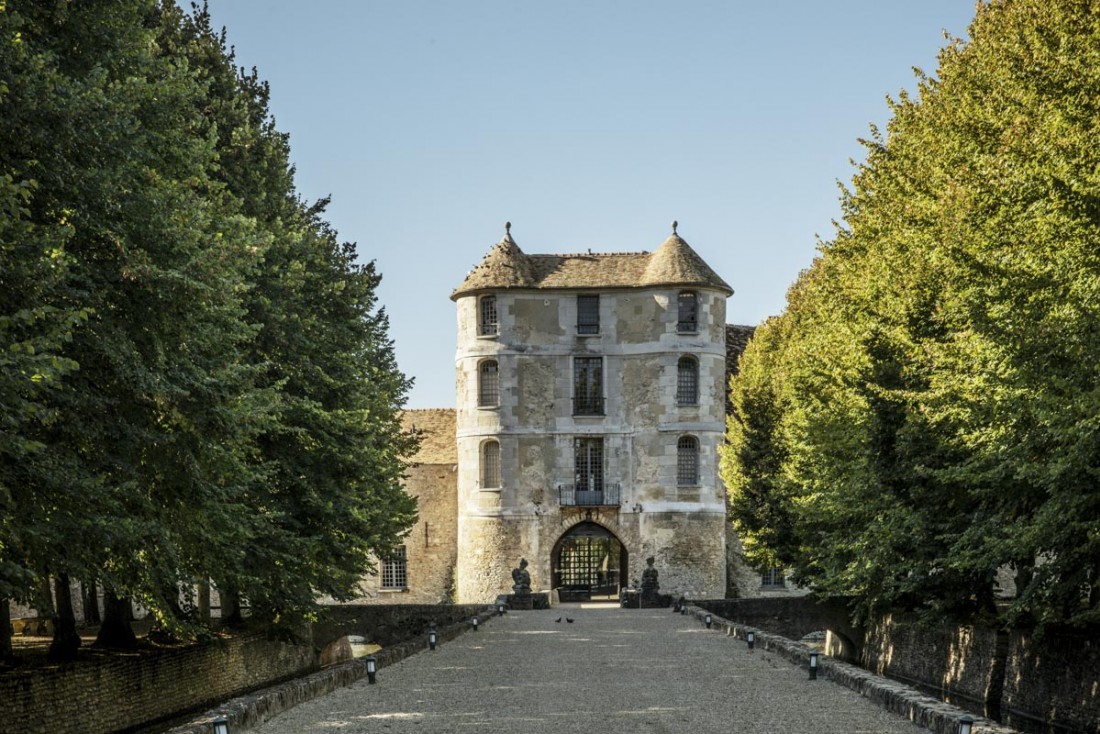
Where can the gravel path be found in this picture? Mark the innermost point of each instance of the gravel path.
(611, 671)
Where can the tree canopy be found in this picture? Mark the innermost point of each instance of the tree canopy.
(197, 379)
(927, 409)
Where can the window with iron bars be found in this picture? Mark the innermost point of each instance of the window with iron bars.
(688, 320)
(588, 386)
(588, 463)
(687, 462)
(588, 314)
(490, 465)
(687, 381)
(395, 570)
(487, 316)
(488, 384)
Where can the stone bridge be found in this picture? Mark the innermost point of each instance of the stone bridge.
(794, 618)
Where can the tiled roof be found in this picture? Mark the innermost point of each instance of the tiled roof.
(673, 263)
(436, 427)
(737, 338)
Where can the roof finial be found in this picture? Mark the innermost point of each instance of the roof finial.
(675, 224)
(507, 229)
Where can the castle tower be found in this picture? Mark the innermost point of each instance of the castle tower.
(590, 407)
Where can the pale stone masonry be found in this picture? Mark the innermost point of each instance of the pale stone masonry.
(590, 405)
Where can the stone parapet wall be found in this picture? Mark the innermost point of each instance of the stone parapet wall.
(116, 692)
(1053, 678)
(923, 710)
(1035, 683)
(110, 692)
(958, 663)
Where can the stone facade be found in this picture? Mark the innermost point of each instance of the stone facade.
(428, 556)
(617, 316)
(592, 372)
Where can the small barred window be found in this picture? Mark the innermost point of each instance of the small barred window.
(488, 384)
(487, 318)
(588, 314)
(687, 381)
(687, 462)
(688, 321)
(395, 570)
(490, 465)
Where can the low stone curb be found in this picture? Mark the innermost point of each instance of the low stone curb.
(245, 712)
(921, 709)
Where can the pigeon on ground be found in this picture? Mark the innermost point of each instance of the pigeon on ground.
(558, 619)
(569, 620)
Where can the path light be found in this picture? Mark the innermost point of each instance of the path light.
(966, 724)
(708, 620)
(474, 623)
(433, 638)
(221, 726)
(372, 668)
(751, 639)
(813, 666)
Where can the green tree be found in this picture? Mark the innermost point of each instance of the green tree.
(934, 373)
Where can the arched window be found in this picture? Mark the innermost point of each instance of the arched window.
(687, 381)
(487, 321)
(687, 462)
(688, 320)
(490, 465)
(488, 384)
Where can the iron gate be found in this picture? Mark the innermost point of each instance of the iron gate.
(587, 564)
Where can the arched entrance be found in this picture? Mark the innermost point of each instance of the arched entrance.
(588, 562)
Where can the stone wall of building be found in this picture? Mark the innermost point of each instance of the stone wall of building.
(431, 547)
(535, 426)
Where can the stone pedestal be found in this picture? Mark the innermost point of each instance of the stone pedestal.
(521, 601)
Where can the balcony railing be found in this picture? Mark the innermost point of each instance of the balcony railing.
(570, 496)
(588, 406)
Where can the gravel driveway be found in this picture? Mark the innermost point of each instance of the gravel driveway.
(611, 671)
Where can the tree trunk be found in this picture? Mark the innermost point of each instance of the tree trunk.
(116, 631)
(91, 603)
(231, 608)
(204, 600)
(44, 604)
(65, 639)
(7, 656)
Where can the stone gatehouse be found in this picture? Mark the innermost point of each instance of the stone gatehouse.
(590, 405)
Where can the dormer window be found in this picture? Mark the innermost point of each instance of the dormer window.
(488, 324)
(588, 314)
(688, 307)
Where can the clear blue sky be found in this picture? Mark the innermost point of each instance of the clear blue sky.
(588, 125)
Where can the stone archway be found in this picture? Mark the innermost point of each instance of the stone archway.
(589, 562)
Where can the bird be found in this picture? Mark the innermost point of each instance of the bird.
(569, 620)
(558, 619)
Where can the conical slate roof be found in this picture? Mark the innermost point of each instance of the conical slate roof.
(674, 263)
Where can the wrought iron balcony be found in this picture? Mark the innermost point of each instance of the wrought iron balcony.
(588, 406)
(607, 495)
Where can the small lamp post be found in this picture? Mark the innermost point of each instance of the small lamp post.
(221, 726)
(750, 638)
(433, 638)
(813, 666)
(372, 669)
(474, 622)
(708, 620)
(966, 724)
